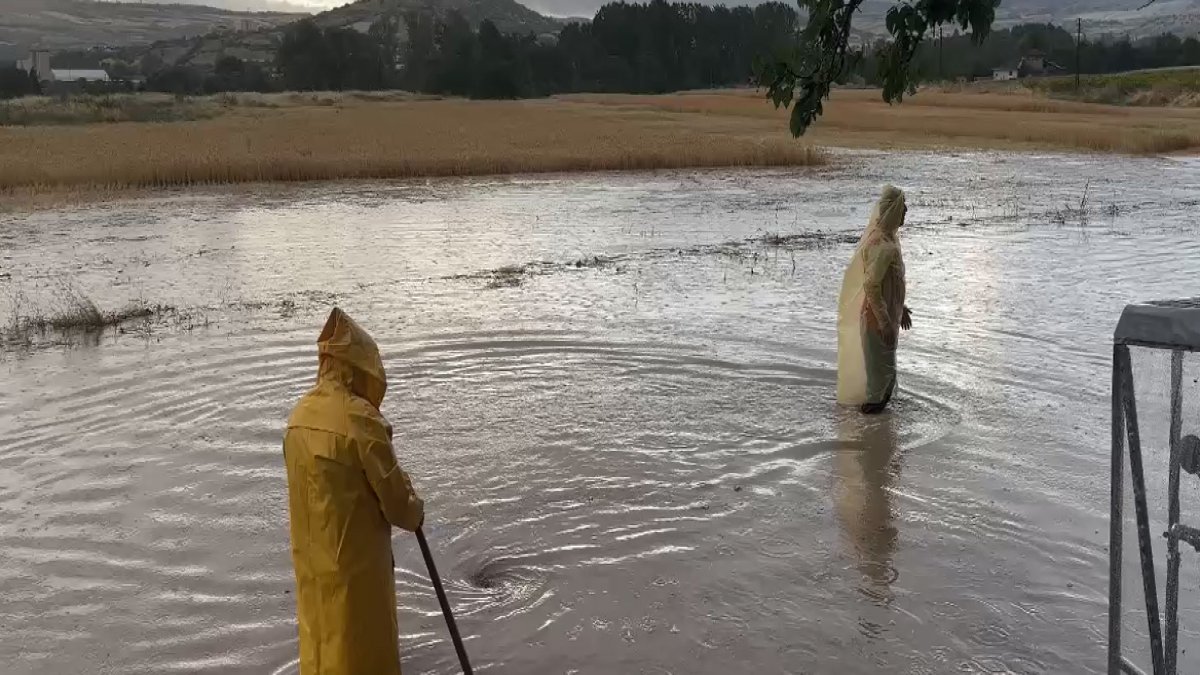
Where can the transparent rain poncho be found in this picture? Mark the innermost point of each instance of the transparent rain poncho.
(871, 307)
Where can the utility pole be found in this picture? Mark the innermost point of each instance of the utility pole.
(941, 42)
(1078, 46)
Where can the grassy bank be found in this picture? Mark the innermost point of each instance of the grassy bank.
(251, 138)
(154, 107)
(1162, 88)
(1158, 88)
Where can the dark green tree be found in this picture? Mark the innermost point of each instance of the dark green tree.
(385, 32)
(457, 47)
(119, 69)
(334, 59)
(15, 83)
(421, 52)
(304, 60)
(654, 47)
(501, 72)
(150, 64)
(230, 67)
(178, 80)
(1190, 52)
(233, 74)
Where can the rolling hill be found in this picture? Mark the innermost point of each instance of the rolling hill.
(260, 45)
(509, 16)
(1100, 17)
(79, 24)
(191, 33)
(283, 6)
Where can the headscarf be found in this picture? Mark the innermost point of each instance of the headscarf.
(887, 216)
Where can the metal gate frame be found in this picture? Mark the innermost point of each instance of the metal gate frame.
(1173, 326)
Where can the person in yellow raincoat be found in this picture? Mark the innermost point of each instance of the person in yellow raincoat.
(345, 493)
(871, 310)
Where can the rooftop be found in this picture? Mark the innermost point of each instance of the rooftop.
(74, 75)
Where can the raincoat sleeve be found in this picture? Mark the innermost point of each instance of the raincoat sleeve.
(399, 502)
(879, 264)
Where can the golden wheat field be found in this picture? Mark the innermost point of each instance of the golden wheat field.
(1014, 120)
(318, 137)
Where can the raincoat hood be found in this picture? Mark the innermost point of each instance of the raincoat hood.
(350, 356)
(888, 214)
(346, 491)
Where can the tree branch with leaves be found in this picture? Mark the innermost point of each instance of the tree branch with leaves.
(802, 77)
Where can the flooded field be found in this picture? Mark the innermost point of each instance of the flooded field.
(615, 393)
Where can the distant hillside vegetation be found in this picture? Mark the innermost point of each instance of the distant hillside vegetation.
(79, 24)
(508, 15)
(260, 46)
(1100, 17)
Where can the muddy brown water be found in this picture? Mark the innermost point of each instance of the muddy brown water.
(627, 440)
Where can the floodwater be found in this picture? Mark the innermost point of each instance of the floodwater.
(628, 444)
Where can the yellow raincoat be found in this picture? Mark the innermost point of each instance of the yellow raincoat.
(345, 493)
(871, 307)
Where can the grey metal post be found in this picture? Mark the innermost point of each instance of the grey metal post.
(1115, 519)
(1172, 615)
(1145, 547)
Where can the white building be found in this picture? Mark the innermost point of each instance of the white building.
(60, 75)
(38, 61)
(1005, 74)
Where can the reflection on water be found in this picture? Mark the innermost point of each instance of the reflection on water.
(627, 442)
(866, 465)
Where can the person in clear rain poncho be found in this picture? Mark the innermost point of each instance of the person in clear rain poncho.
(871, 310)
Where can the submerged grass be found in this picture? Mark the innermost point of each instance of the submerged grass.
(751, 251)
(72, 312)
(508, 277)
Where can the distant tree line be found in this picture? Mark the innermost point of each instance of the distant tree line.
(15, 83)
(654, 48)
(336, 59)
(229, 74)
(650, 48)
(634, 48)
